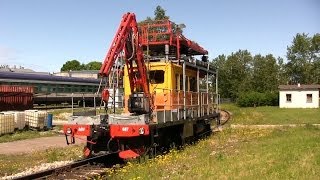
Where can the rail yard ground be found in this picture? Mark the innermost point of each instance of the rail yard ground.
(59, 116)
(240, 154)
(245, 153)
(277, 153)
(272, 115)
(26, 134)
(11, 164)
(64, 114)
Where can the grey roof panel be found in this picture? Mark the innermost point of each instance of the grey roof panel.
(300, 87)
(28, 76)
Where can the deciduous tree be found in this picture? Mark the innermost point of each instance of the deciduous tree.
(265, 73)
(160, 13)
(93, 65)
(234, 73)
(303, 59)
(72, 65)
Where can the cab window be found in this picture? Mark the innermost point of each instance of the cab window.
(156, 76)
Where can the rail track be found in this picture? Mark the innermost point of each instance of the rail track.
(82, 169)
(95, 166)
(225, 116)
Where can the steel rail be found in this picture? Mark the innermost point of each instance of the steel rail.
(54, 171)
(228, 117)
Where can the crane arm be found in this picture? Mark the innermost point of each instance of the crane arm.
(127, 40)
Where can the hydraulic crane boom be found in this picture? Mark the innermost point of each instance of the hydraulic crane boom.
(127, 40)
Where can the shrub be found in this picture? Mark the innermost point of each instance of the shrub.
(253, 99)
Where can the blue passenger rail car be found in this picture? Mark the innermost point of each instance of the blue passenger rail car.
(49, 89)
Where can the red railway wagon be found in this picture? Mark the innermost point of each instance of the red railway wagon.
(16, 97)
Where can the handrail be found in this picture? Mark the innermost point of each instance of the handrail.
(174, 103)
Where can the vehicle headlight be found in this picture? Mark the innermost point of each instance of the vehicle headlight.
(141, 131)
(69, 131)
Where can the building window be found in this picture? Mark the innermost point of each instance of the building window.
(83, 89)
(309, 98)
(44, 89)
(288, 96)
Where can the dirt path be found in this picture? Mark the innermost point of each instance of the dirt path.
(37, 144)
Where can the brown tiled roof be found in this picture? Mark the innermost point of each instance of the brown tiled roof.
(301, 87)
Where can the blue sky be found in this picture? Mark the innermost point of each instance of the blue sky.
(42, 35)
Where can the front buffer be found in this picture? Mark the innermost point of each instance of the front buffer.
(132, 133)
(128, 135)
(93, 130)
(132, 139)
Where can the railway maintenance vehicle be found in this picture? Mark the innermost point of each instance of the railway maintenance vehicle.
(167, 97)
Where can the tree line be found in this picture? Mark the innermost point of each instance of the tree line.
(252, 79)
(75, 65)
(257, 77)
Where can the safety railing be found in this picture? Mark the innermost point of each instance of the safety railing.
(177, 104)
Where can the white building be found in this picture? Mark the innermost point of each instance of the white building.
(299, 96)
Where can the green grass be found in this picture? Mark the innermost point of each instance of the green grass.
(272, 115)
(11, 164)
(69, 110)
(57, 113)
(63, 114)
(237, 154)
(21, 135)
